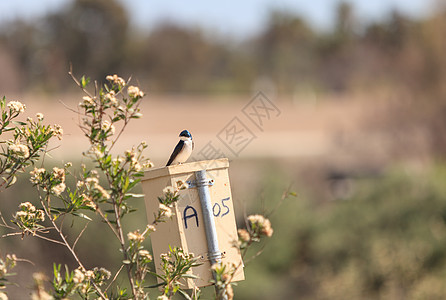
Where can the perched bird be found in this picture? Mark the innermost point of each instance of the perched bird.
(182, 150)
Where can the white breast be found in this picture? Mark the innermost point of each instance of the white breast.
(185, 153)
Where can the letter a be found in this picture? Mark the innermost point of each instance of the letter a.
(194, 214)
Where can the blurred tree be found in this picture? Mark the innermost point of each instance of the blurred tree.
(338, 55)
(177, 58)
(91, 35)
(432, 59)
(17, 40)
(285, 50)
(345, 21)
(398, 53)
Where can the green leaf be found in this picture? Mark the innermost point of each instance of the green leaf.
(84, 81)
(159, 276)
(12, 181)
(134, 195)
(155, 285)
(19, 123)
(81, 215)
(133, 182)
(58, 210)
(184, 294)
(56, 271)
(189, 276)
(108, 159)
(126, 184)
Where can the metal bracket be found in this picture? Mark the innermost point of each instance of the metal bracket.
(207, 256)
(193, 183)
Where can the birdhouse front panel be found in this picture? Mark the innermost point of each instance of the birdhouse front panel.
(187, 229)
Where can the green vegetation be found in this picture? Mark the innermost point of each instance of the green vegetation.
(388, 241)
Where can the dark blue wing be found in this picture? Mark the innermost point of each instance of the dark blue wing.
(175, 152)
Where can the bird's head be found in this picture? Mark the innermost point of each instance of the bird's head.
(185, 134)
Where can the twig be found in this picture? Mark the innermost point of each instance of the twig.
(12, 234)
(69, 108)
(114, 278)
(77, 81)
(4, 222)
(35, 234)
(98, 209)
(255, 255)
(285, 195)
(122, 242)
(54, 148)
(80, 234)
(119, 134)
(25, 260)
(49, 239)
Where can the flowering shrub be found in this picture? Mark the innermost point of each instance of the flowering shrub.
(28, 142)
(175, 265)
(82, 282)
(258, 227)
(115, 103)
(6, 264)
(28, 218)
(139, 257)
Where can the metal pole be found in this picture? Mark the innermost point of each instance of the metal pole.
(209, 223)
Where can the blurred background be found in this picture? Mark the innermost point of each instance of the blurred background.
(358, 127)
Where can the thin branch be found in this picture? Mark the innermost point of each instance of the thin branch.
(77, 81)
(118, 135)
(54, 148)
(256, 255)
(122, 242)
(98, 209)
(49, 239)
(12, 234)
(80, 234)
(4, 222)
(285, 195)
(6, 226)
(34, 234)
(25, 260)
(114, 278)
(69, 108)
(62, 221)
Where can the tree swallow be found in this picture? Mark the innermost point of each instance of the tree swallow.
(182, 150)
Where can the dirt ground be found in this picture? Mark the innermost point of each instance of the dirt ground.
(294, 129)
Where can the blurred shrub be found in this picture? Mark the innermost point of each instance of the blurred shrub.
(387, 242)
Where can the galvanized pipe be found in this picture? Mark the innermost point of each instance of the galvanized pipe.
(209, 225)
(208, 216)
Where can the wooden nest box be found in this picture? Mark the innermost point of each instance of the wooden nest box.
(188, 227)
